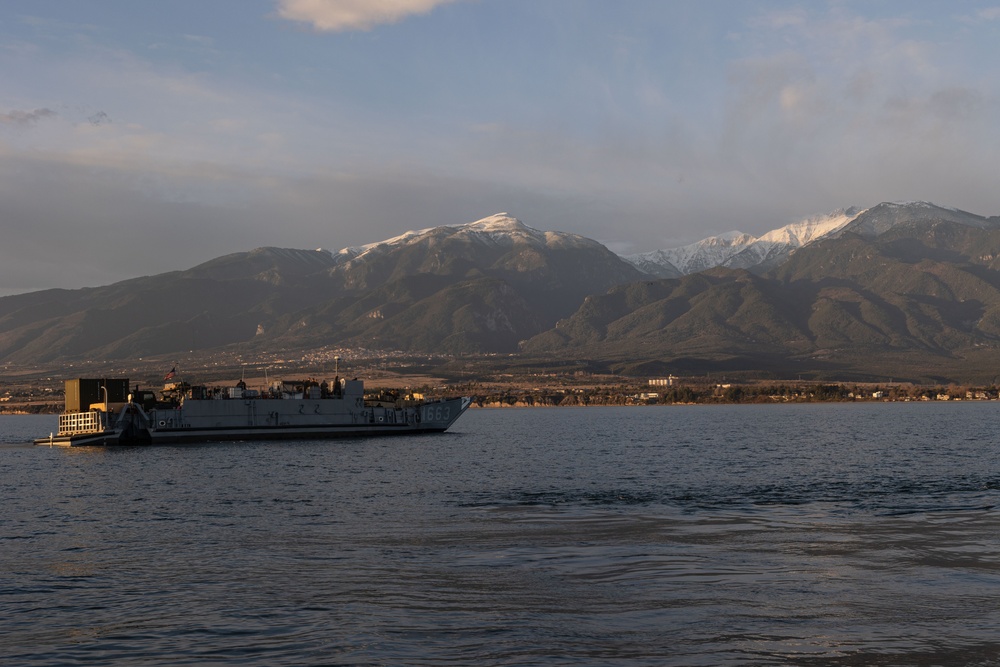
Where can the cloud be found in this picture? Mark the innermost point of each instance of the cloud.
(342, 15)
(99, 118)
(25, 118)
(776, 20)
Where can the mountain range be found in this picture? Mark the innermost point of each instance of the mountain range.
(480, 287)
(737, 250)
(905, 290)
(909, 290)
(741, 251)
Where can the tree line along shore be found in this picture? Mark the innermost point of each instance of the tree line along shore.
(498, 395)
(722, 393)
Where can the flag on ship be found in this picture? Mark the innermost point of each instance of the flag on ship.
(171, 374)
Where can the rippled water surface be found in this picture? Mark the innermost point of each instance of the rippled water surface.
(772, 535)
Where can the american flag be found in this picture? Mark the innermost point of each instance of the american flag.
(172, 373)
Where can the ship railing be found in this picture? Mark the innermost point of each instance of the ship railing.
(81, 422)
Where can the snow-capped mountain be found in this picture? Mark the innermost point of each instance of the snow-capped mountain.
(924, 275)
(705, 254)
(739, 250)
(500, 230)
(879, 219)
(800, 233)
(656, 263)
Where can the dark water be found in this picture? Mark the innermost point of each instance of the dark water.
(771, 535)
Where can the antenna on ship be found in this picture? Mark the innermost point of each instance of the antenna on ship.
(336, 388)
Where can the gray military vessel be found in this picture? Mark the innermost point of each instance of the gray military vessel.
(303, 410)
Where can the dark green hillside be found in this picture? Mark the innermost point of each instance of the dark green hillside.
(723, 310)
(473, 316)
(920, 301)
(481, 287)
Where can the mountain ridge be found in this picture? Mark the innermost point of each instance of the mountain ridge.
(739, 250)
(920, 300)
(907, 289)
(500, 282)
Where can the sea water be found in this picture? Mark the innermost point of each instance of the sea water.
(833, 534)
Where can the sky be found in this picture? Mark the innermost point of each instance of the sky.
(144, 137)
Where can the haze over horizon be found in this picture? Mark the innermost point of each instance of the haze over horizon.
(138, 138)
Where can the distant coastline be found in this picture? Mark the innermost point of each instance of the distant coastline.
(633, 393)
(727, 394)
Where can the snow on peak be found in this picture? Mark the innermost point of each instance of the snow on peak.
(913, 204)
(727, 239)
(501, 222)
(733, 237)
(498, 229)
(806, 231)
(504, 229)
(704, 254)
(352, 252)
(739, 250)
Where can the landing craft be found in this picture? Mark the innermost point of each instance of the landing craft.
(304, 410)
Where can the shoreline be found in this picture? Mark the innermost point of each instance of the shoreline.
(629, 393)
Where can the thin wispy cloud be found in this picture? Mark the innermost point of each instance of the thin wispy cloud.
(776, 20)
(21, 118)
(646, 124)
(342, 15)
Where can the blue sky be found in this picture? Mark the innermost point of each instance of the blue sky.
(141, 137)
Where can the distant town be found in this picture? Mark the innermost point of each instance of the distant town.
(494, 381)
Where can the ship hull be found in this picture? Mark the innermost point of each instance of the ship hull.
(277, 419)
(81, 439)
